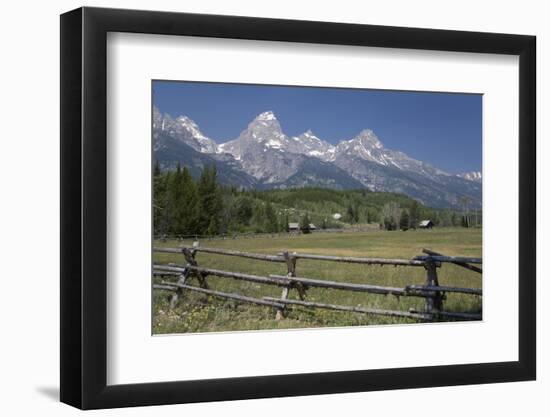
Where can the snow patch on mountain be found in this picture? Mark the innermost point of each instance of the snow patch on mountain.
(310, 144)
(474, 176)
(268, 115)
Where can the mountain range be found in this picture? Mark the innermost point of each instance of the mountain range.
(264, 157)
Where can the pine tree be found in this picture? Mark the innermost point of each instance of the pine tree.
(271, 224)
(178, 198)
(304, 224)
(159, 201)
(244, 210)
(213, 227)
(187, 204)
(169, 214)
(210, 202)
(350, 214)
(414, 214)
(258, 217)
(156, 169)
(404, 222)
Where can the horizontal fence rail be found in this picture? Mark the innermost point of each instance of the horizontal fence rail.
(454, 315)
(319, 283)
(432, 292)
(355, 260)
(285, 280)
(238, 297)
(460, 260)
(224, 274)
(442, 288)
(296, 255)
(258, 256)
(462, 264)
(373, 311)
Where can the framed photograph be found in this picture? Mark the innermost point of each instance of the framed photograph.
(257, 208)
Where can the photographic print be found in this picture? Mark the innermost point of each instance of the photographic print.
(336, 187)
(283, 207)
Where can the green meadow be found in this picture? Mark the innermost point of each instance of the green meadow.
(197, 312)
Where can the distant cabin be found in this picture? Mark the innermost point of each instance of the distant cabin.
(295, 227)
(426, 224)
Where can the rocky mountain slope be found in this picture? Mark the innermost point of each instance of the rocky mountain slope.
(263, 156)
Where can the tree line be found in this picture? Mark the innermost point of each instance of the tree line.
(183, 205)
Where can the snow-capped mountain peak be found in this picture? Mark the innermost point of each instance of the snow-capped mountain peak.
(309, 134)
(193, 128)
(263, 125)
(471, 176)
(262, 134)
(368, 139)
(310, 144)
(265, 120)
(266, 116)
(365, 145)
(184, 129)
(266, 130)
(368, 147)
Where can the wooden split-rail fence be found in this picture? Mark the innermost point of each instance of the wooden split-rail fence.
(431, 291)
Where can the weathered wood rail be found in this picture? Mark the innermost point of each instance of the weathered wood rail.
(431, 291)
(462, 264)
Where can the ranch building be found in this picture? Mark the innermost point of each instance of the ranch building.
(295, 227)
(426, 224)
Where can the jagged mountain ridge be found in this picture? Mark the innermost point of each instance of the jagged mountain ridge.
(271, 159)
(170, 152)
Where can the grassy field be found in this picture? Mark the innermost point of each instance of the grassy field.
(200, 313)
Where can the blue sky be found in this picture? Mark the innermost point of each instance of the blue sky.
(442, 129)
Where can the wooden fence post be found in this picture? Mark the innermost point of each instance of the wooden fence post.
(179, 292)
(291, 272)
(291, 267)
(183, 278)
(434, 304)
(190, 258)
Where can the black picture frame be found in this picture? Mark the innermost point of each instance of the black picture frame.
(84, 207)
